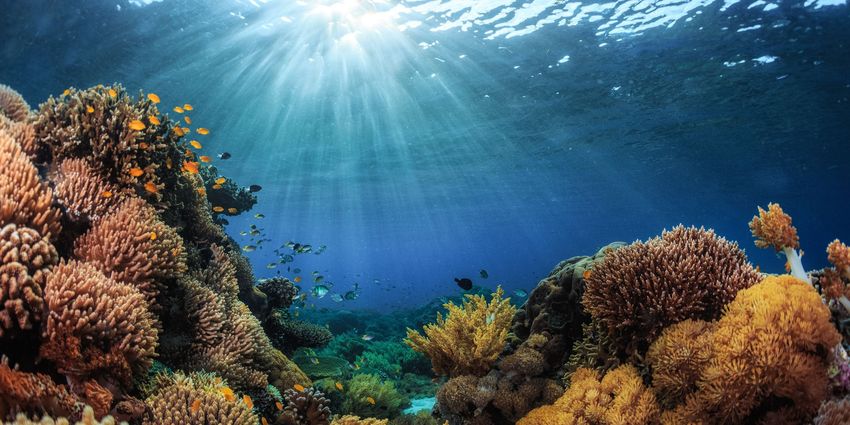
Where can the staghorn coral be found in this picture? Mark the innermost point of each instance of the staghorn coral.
(686, 273)
(88, 418)
(355, 420)
(131, 245)
(24, 199)
(96, 326)
(620, 398)
(769, 357)
(834, 412)
(26, 262)
(172, 402)
(306, 407)
(22, 392)
(385, 401)
(12, 104)
(84, 194)
(469, 339)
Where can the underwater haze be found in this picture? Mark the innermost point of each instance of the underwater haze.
(425, 140)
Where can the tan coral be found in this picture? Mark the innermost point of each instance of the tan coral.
(12, 104)
(834, 412)
(25, 262)
(96, 326)
(839, 255)
(24, 392)
(773, 228)
(88, 418)
(85, 195)
(355, 420)
(677, 358)
(24, 133)
(195, 399)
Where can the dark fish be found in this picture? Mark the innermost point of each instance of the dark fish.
(224, 155)
(484, 274)
(255, 188)
(464, 283)
(351, 295)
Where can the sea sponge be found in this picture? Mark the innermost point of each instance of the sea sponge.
(686, 273)
(22, 392)
(355, 420)
(773, 228)
(24, 199)
(196, 399)
(84, 194)
(26, 258)
(834, 412)
(88, 418)
(133, 246)
(12, 104)
(96, 326)
(306, 407)
(368, 396)
(620, 397)
(469, 339)
(769, 354)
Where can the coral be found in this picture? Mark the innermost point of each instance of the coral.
(686, 273)
(24, 199)
(96, 326)
(227, 195)
(289, 334)
(280, 291)
(620, 397)
(769, 356)
(593, 351)
(554, 308)
(83, 193)
(284, 373)
(22, 392)
(12, 104)
(839, 255)
(420, 418)
(834, 412)
(133, 246)
(355, 420)
(773, 228)
(385, 400)
(469, 339)
(306, 407)
(526, 360)
(22, 132)
(88, 418)
(677, 358)
(26, 262)
(196, 399)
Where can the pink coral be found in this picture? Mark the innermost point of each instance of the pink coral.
(26, 262)
(12, 104)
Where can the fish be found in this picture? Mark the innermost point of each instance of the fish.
(196, 144)
(178, 131)
(153, 97)
(201, 191)
(143, 145)
(203, 131)
(264, 421)
(137, 125)
(586, 274)
(190, 166)
(151, 187)
(224, 155)
(136, 172)
(297, 279)
(278, 405)
(232, 210)
(178, 109)
(319, 291)
(484, 274)
(216, 186)
(351, 295)
(187, 119)
(112, 93)
(89, 109)
(249, 248)
(367, 337)
(187, 107)
(196, 405)
(218, 209)
(153, 236)
(227, 393)
(243, 233)
(220, 180)
(248, 402)
(338, 385)
(295, 270)
(258, 215)
(153, 120)
(520, 293)
(370, 400)
(318, 278)
(106, 194)
(298, 387)
(314, 360)
(464, 283)
(204, 158)
(254, 188)
(66, 92)
(336, 298)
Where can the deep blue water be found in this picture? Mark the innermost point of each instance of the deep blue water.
(470, 140)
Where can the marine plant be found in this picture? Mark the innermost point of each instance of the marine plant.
(469, 339)
(369, 396)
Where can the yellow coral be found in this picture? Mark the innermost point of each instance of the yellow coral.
(469, 339)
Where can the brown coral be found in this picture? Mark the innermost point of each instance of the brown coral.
(677, 359)
(132, 245)
(25, 262)
(839, 255)
(196, 399)
(22, 392)
(306, 407)
(686, 273)
(12, 104)
(96, 326)
(24, 199)
(834, 412)
(773, 228)
(84, 194)
(23, 132)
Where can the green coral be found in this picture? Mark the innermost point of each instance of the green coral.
(388, 402)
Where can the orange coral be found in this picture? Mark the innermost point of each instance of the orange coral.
(25, 392)
(196, 399)
(640, 289)
(85, 195)
(96, 325)
(677, 358)
(773, 228)
(839, 255)
(12, 104)
(24, 199)
(26, 262)
(132, 245)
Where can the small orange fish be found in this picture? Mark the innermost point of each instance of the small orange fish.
(203, 131)
(220, 180)
(178, 109)
(279, 405)
(151, 187)
(298, 387)
(248, 402)
(136, 172)
(89, 109)
(169, 163)
(338, 385)
(178, 131)
(196, 405)
(216, 186)
(106, 194)
(153, 97)
(112, 93)
(187, 119)
(370, 400)
(190, 166)
(586, 274)
(297, 279)
(195, 144)
(187, 107)
(137, 125)
(66, 92)
(143, 145)
(153, 236)
(227, 393)
(218, 209)
(232, 210)
(264, 421)
(153, 120)
(205, 158)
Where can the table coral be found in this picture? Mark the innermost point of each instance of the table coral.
(470, 337)
(686, 273)
(196, 399)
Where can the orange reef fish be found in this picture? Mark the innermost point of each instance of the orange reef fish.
(298, 387)
(218, 209)
(153, 120)
(205, 158)
(228, 394)
(106, 194)
(195, 144)
(89, 109)
(150, 187)
(248, 402)
(66, 92)
(216, 186)
(178, 131)
(137, 125)
(586, 274)
(136, 172)
(202, 191)
(187, 119)
(279, 405)
(264, 421)
(153, 236)
(112, 93)
(297, 279)
(370, 400)
(178, 109)
(187, 107)
(220, 180)
(153, 97)
(190, 166)
(338, 385)
(232, 210)
(196, 405)
(202, 130)
(143, 145)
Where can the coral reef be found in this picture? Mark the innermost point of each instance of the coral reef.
(196, 399)
(420, 418)
(834, 412)
(84, 195)
(355, 420)
(22, 392)
(279, 290)
(12, 104)
(773, 228)
(233, 199)
(88, 418)
(27, 260)
(368, 396)
(290, 334)
(686, 273)
(304, 407)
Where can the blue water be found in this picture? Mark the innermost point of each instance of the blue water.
(426, 140)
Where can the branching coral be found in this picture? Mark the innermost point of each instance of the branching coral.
(26, 262)
(88, 418)
(367, 395)
(22, 392)
(196, 399)
(620, 397)
(131, 245)
(469, 339)
(96, 326)
(839, 255)
(769, 353)
(12, 104)
(687, 273)
(22, 132)
(306, 407)
(83, 193)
